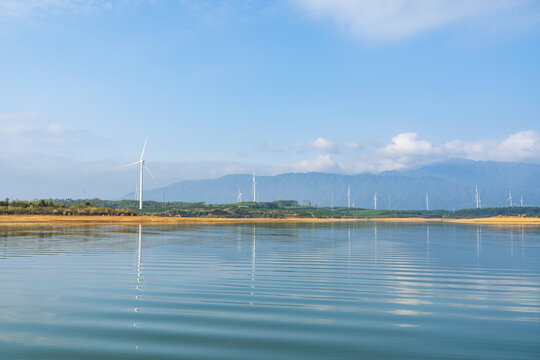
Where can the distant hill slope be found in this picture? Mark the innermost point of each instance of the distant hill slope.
(450, 186)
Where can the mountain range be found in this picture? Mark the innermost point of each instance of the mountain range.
(449, 184)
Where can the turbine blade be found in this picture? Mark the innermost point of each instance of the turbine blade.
(134, 163)
(149, 172)
(144, 147)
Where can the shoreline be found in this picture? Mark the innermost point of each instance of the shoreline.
(156, 220)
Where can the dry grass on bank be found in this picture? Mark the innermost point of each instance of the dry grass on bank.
(156, 220)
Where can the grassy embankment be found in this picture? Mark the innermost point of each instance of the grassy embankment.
(126, 212)
(284, 209)
(49, 207)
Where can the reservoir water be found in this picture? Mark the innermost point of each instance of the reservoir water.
(315, 291)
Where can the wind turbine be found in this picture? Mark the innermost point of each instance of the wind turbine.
(375, 201)
(254, 187)
(239, 199)
(510, 198)
(477, 197)
(427, 201)
(521, 201)
(349, 197)
(142, 165)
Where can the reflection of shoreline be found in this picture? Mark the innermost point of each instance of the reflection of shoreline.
(6, 220)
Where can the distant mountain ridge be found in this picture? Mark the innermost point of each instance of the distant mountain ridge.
(450, 185)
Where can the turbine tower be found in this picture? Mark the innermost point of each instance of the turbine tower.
(239, 199)
(477, 197)
(349, 197)
(254, 187)
(521, 201)
(375, 201)
(142, 165)
(510, 198)
(427, 201)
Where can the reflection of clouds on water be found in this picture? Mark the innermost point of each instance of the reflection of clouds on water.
(408, 312)
(28, 339)
(409, 301)
(420, 285)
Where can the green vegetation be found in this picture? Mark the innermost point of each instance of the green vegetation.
(289, 208)
(276, 209)
(49, 207)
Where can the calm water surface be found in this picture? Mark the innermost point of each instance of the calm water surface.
(359, 291)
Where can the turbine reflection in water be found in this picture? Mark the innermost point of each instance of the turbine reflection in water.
(427, 239)
(376, 243)
(253, 255)
(478, 240)
(139, 285)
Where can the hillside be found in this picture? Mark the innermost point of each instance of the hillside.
(450, 186)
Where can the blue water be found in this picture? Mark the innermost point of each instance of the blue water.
(358, 291)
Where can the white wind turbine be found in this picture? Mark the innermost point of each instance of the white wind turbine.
(254, 187)
(239, 199)
(142, 165)
(510, 198)
(136, 196)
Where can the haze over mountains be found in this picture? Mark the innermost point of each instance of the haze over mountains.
(450, 185)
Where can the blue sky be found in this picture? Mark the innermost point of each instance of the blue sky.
(243, 86)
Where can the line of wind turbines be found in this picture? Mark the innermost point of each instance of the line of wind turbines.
(142, 167)
(478, 200)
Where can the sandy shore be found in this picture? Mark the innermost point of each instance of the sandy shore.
(155, 220)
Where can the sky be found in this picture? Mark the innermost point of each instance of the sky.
(223, 87)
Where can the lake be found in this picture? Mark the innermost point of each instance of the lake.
(307, 291)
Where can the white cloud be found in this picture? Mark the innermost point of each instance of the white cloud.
(406, 144)
(323, 144)
(20, 124)
(395, 19)
(321, 163)
(520, 146)
(406, 150)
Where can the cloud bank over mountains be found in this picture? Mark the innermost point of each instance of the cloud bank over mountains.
(408, 149)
